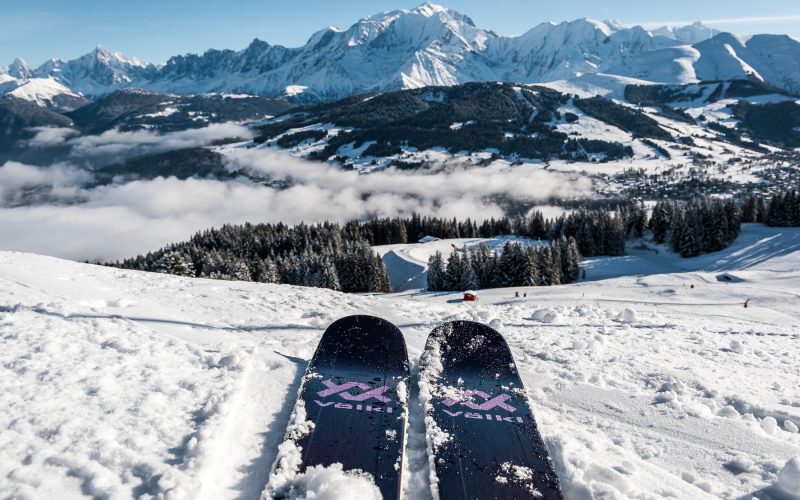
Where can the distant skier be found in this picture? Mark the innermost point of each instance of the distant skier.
(746, 302)
(516, 294)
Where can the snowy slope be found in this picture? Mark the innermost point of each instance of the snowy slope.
(120, 384)
(407, 264)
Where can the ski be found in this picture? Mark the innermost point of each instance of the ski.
(352, 406)
(483, 441)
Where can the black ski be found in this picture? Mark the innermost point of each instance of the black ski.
(354, 392)
(483, 437)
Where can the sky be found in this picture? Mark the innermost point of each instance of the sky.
(154, 30)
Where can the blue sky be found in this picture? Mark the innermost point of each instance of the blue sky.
(153, 30)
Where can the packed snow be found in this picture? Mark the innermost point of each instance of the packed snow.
(123, 384)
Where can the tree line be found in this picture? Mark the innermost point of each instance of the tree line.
(697, 226)
(323, 255)
(516, 265)
(782, 210)
(340, 257)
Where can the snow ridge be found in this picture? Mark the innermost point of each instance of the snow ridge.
(434, 45)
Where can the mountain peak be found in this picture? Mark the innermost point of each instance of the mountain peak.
(429, 9)
(20, 69)
(690, 34)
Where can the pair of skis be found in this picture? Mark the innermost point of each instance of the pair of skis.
(482, 438)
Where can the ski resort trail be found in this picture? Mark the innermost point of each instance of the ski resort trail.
(120, 384)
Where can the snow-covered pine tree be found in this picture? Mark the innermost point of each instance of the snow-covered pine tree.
(690, 243)
(436, 274)
(329, 278)
(750, 209)
(507, 267)
(267, 271)
(454, 272)
(548, 274)
(484, 266)
(468, 279)
(379, 282)
(531, 275)
(572, 261)
(660, 221)
(176, 263)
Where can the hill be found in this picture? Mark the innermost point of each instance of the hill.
(120, 383)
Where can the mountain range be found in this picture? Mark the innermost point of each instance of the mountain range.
(425, 46)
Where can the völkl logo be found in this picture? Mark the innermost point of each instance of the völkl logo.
(333, 388)
(489, 404)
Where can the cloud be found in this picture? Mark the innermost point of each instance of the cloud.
(529, 182)
(21, 183)
(50, 136)
(118, 145)
(122, 220)
(726, 21)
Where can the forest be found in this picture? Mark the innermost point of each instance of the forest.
(341, 257)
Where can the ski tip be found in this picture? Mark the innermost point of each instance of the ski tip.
(362, 341)
(364, 321)
(463, 329)
(473, 346)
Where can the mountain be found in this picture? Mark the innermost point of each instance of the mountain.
(98, 72)
(429, 45)
(567, 50)
(774, 59)
(434, 45)
(691, 34)
(536, 122)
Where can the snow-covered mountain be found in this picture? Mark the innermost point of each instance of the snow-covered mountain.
(691, 34)
(433, 45)
(774, 59)
(98, 72)
(47, 92)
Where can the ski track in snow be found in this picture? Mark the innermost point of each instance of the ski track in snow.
(120, 384)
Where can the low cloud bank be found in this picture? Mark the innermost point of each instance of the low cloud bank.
(122, 220)
(118, 145)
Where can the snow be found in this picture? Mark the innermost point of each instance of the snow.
(117, 383)
(407, 264)
(758, 248)
(167, 111)
(432, 45)
(294, 90)
(42, 91)
(331, 483)
(789, 477)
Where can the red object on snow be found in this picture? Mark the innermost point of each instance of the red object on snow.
(470, 296)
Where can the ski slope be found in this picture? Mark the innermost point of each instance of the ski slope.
(407, 264)
(119, 384)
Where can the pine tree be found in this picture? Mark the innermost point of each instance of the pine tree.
(436, 272)
(660, 221)
(175, 263)
(454, 272)
(750, 209)
(507, 267)
(379, 281)
(329, 278)
(468, 280)
(548, 275)
(572, 262)
(690, 243)
(531, 271)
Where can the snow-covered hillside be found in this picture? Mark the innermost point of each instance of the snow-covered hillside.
(434, 45)
(116, 383)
